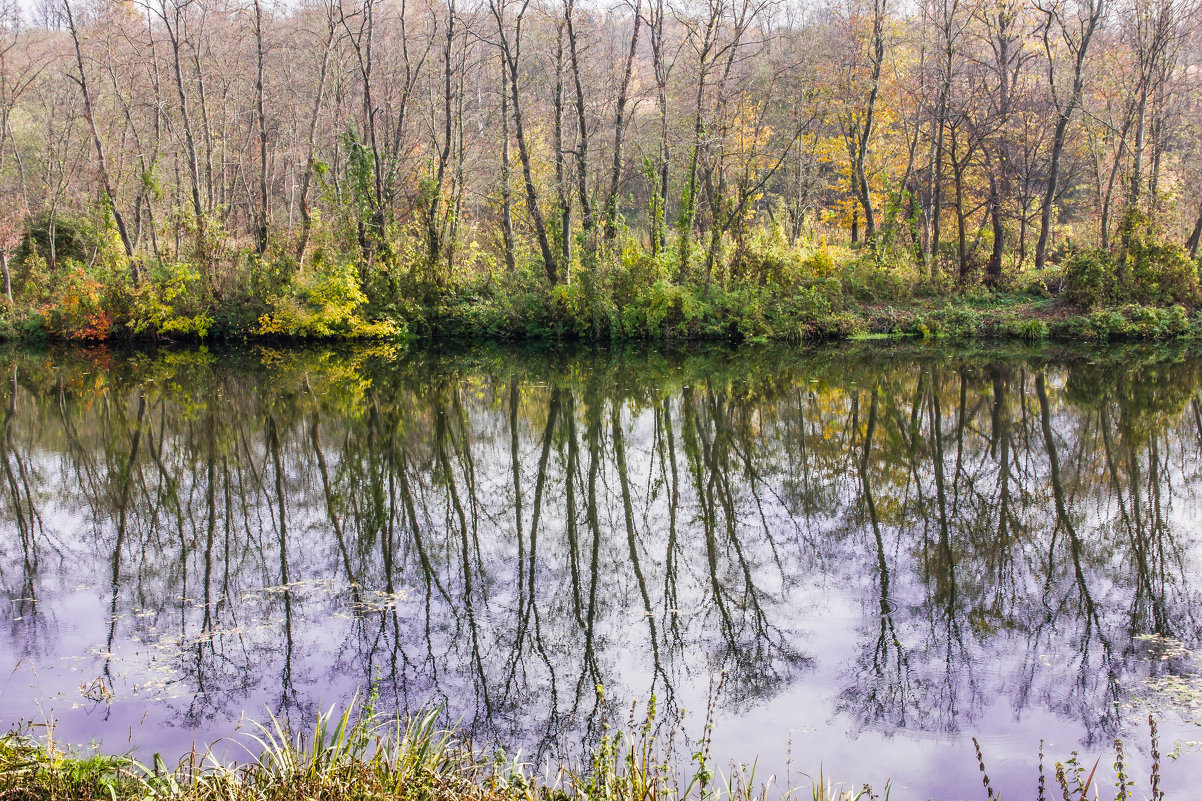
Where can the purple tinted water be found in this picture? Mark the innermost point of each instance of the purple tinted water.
(881, 553)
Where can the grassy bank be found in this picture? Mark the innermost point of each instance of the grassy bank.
(767, 290)
(367, 758)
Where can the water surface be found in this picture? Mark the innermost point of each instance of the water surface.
(880, 551)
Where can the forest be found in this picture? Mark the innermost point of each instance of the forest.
(640, 169)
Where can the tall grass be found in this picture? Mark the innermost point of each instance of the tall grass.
(1074, 784)
(357, 755)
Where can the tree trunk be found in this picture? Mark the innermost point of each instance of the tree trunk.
(261, 119)
(8, 283)
(189, 138)
(561, 180)
(307, 179)
(615, 175)
(512, 54)
(994, 275)
(101, 162)
(587, 220)
(506, 168)
(1191, 244)
(1064, 117)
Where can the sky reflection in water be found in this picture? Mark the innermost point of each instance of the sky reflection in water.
(887, 549)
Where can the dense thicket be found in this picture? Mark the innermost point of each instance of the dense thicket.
(632, 168)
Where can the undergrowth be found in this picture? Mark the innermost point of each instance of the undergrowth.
(770, 289)
(357, 755)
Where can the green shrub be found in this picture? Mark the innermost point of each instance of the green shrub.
(803, 313)
(1045, 283)
(1029, 329)
(634, 273)
(832, 290)
(322, 301)
(953, 322)
(1146, 322)
(659, 311)
(871, 280)
(572, 310)
(74, 238)
(1090, 278)
(941, 284)
(75, 307)
(171, 301)
(774, 263)
(820, 263)
(1161, 273)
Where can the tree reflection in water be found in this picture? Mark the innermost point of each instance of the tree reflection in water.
(504, 531)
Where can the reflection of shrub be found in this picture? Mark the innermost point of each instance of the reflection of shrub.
(1147, 391)
(322, 301)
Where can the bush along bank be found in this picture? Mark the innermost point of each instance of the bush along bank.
(768, 290)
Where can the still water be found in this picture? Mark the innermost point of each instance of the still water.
(882, 550)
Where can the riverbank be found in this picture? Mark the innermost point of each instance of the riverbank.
(814, 314)
(358, 755)
(771, 292)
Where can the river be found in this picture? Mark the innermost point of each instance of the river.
(863, 555)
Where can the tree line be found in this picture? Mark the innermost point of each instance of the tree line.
(329, 153)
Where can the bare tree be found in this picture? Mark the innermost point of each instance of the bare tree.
(101, 163)
(1073, 24)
